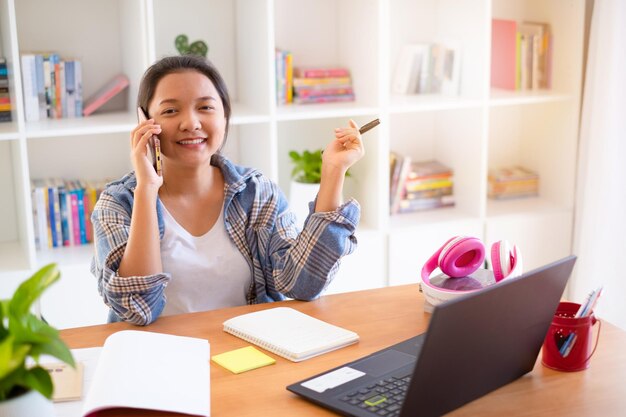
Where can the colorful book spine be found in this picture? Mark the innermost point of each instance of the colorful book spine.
(52, 216)
(70, 90)
(288, 77)
(64, 212)
(78, 88)
(503, 53)
(29, 87)
(58, 85)
(81, 215)
(75, 217)
(90, 202)
(336, 81)
(324, 99)
(70, 216)
(316, 91)
(41, 87)
(321, 72)
(106, 93)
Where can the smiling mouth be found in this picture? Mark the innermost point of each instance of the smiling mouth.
(191, 141)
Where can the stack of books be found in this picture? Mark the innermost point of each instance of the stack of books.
(62, 211)
(521, 55)
(53, 88)
(5, 97)
(512, 182)
(419, 186)
(322, 85)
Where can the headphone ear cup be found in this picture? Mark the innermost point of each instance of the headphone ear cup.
(461, 256)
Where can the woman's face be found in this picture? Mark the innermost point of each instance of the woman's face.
(191, 114)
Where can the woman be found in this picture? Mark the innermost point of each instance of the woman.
(207, 233)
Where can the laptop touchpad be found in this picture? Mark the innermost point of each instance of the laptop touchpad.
(383, 362)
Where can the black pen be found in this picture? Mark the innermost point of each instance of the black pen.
(369, 126)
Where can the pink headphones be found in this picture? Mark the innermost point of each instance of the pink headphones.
(461, 256)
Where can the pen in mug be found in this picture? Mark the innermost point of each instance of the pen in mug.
(566, 347)
(369, 126)
(583, 311)
(592, 303)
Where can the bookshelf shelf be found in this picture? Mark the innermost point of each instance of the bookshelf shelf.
(243, 114)
(512, 98)
(479, 129)
(116, 122)
(523, 206)
(9, 135)
(66, 256)
(430, 102)
(402, 222)
(323, 111)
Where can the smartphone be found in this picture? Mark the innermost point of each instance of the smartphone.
(369, 126)
(154, 145)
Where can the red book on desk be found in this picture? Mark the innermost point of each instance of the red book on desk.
(503, 53)
(106, 93)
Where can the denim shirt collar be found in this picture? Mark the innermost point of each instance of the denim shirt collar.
(235, 180)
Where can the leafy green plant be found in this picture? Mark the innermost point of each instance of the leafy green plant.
(307, 166)
(23, 335)
(195, 48)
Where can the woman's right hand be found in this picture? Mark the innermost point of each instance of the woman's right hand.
(140, 154)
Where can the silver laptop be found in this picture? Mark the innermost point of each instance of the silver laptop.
(474, 344)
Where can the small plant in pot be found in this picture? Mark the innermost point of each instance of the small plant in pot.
(26, 390)
(305, 181)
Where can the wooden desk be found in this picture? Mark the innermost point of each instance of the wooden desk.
(381, 317)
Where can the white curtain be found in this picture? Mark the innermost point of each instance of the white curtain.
(600, 229)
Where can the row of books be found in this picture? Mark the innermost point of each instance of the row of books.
(512, 182)
(301, 85)
(419, 185)
(521, 55)
(62, 211)
(427, 68)
(52, 87)
(5, 97)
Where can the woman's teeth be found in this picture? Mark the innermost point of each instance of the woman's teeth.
(191, 142)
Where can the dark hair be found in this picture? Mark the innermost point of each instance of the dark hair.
(182, 63)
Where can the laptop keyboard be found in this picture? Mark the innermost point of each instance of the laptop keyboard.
(382, 398)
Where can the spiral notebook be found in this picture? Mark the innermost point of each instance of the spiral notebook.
(289, 333)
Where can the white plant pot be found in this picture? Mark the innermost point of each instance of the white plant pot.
(300, 194)
(29, 404)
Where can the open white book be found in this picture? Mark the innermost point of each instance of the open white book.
(289, 333)
(145, 370)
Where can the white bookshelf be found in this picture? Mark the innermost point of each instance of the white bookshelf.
(472, 132)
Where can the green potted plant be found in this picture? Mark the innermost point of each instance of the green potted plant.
(25, 390)
(305, 181)
(307, 166)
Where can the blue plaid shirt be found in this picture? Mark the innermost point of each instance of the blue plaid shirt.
(284, 261)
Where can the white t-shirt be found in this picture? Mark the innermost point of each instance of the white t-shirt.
(208, 272)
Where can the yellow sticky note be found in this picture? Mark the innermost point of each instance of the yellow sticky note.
(242, 360)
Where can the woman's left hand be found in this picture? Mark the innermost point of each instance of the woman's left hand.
(346, 149)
